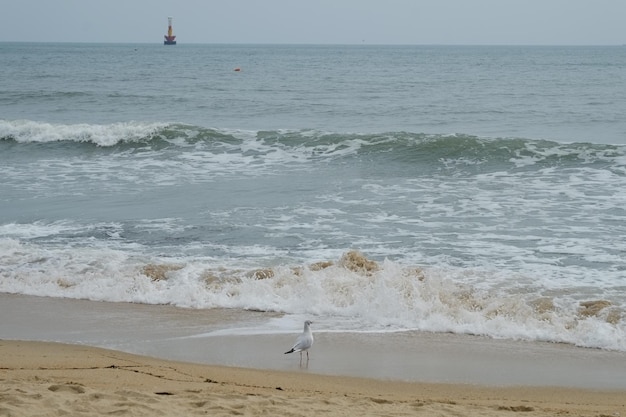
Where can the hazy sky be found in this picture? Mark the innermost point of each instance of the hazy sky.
(560, 22)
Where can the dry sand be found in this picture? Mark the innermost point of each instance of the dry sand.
(52, 379)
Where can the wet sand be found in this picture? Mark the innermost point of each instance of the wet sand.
(199, 362)
(50, 379)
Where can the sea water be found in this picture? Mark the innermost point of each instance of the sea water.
(473, 190)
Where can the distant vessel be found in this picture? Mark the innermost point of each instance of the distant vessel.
(170, 39)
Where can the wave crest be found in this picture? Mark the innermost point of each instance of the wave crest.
(27, 131)
(400, 149)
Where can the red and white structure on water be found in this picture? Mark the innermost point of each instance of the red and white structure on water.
(170, 38)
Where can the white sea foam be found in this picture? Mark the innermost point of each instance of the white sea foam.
(505, 251)
(356, 295)
(35, 229)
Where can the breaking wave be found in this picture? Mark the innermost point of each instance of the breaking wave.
(355, 292)
(449, 150)
(26, 131)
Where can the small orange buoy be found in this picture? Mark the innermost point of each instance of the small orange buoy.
(237, 69)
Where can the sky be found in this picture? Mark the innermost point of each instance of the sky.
(456, 22)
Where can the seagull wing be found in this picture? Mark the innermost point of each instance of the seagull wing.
(303, 342)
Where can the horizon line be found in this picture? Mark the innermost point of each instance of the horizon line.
(312, 43)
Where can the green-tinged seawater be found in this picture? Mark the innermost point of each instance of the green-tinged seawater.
(483, 187)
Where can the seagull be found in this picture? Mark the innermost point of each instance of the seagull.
(304, 341)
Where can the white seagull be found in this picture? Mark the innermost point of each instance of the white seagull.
(304, 341)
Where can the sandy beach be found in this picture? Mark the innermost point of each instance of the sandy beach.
(85, 358)
(52, 379)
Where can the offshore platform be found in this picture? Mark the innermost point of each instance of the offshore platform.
(170, 39)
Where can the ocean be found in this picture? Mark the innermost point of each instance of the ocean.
(450, 189)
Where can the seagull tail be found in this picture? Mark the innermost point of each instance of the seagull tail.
(292, 350)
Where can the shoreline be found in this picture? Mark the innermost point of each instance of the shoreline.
(40, 378)
(220, 337)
